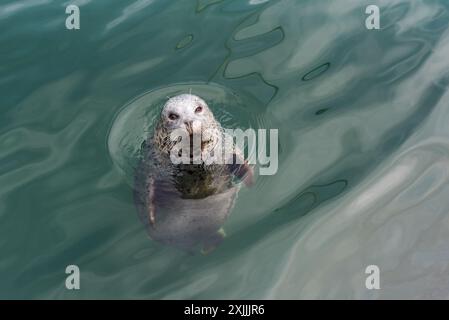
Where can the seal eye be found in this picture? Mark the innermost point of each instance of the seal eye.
(173, 116)
(198, 109)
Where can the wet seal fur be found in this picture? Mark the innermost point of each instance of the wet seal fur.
(185, 205)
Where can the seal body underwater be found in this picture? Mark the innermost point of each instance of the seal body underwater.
(186, 204)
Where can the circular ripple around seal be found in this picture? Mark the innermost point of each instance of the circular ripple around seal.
(136, 120)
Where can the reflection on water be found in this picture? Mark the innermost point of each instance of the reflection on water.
(363, 153)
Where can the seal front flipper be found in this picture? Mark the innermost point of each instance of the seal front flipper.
(151, 206)
(144, 191)
(241, 169)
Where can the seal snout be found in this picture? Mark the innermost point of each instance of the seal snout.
(193, 127)
(189, 127)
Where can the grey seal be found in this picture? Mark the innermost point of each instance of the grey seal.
(185, 205)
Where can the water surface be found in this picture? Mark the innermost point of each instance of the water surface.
(363, 146)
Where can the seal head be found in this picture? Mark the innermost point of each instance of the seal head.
(190, 113)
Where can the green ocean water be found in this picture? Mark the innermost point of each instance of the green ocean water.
(363, 146)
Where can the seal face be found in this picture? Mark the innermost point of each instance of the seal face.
(186, 204)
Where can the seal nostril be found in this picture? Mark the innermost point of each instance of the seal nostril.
(189, 126)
